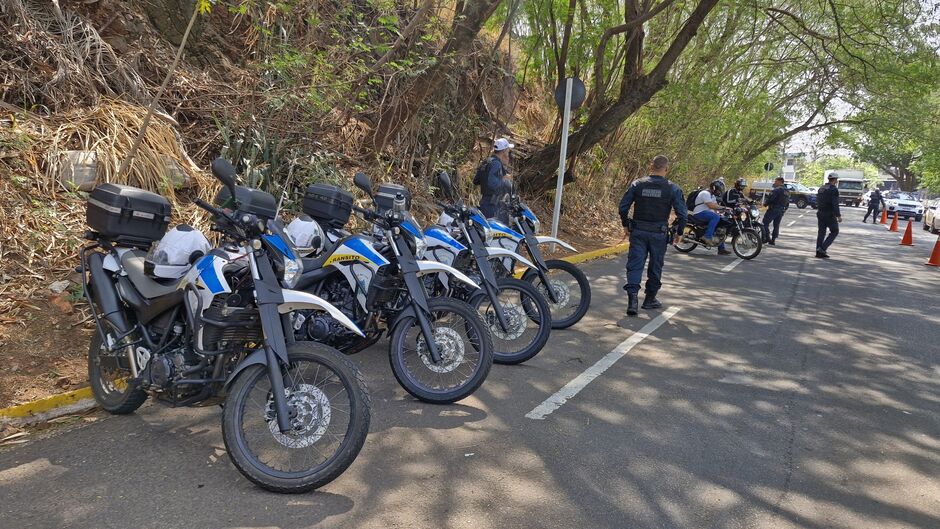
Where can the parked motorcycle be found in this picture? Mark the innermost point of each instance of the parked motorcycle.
(439, 348)
(518, 316)
(207, 326)
(570, 294)
(746, 242)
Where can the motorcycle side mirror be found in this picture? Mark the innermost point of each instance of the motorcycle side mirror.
(225, 172)
(363, 182)
(443, 181)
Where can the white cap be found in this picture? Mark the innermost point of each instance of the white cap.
(501, 144)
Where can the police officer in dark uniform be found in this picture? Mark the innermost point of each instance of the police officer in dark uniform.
(735, 195)
(875, 203)
(652, 198)
(777, 203)
(828, 215)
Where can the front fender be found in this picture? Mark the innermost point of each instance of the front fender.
(297, 300)
(254, 358)
(502, 252)
(542, 239)
(431, 267)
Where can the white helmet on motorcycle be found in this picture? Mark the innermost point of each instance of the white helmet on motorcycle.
(306, 234)
(176, 252)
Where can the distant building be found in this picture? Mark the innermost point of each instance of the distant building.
(792, 163)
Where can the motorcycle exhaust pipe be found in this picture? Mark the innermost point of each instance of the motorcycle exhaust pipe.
(105, 295)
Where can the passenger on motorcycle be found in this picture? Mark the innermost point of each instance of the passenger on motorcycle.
(735, 195)
(706, 210)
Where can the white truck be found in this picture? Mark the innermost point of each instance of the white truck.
(851, 185)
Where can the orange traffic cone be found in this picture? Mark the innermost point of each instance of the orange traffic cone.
(884, 216)
(894, 223)
(908, 239)
(935, 256)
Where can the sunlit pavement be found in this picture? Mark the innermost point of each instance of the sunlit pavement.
(786, 392)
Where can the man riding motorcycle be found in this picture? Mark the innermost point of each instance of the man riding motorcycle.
(706, 210)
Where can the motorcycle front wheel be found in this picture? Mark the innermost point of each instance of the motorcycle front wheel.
(747, 244)
(528, 320)
(570, 287)
(330, 411)
(463, 341)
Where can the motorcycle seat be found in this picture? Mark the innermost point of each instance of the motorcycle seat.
(311, 264)
(133, 263)
(696, 221)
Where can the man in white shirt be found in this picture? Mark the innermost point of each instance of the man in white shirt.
(706, 210)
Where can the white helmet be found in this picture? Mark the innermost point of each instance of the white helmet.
(306, 234)
(176, 252)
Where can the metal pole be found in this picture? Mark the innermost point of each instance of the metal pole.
(563, 154)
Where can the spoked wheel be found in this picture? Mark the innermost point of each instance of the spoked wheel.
(684, 245)
(463, 341)
(528, 318)
(570, 287)
(330, 410)
(109, 371)
(747, 244)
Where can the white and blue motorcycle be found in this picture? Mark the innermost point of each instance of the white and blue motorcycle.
(190, 325)
(570, 294)
(517, 315)
(439, 348)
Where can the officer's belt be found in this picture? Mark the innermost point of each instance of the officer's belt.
(654, 227)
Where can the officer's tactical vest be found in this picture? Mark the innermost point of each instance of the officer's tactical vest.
(653, 200)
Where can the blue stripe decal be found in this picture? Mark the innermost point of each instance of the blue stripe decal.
(527, 213)
(279, 243)
(208, 275)
(441, 235)
(479, 220)
(499, 226)
(410, 228)
(366, 250)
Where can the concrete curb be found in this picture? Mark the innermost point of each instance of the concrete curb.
(81, 400)
(40, 410)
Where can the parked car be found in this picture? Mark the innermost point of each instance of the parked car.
(932, 215)
(800, 195)
(904, 204)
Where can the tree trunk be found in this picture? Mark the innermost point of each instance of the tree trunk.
(405, 107)
(539, 171)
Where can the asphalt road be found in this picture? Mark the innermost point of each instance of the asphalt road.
(786, 392)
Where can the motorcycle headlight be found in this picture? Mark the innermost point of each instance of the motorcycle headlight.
(755, 212)
(420, 247)
(293, 269)
(488, 234)
(743, 216)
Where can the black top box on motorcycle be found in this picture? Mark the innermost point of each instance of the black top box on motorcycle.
(254, 201)
(385, 197)
(127, 215)
(328, 204)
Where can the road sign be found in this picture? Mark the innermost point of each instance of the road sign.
(578, 93)
(769, 166)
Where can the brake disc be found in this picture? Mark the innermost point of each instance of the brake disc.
(312, 418)
(449, 344)
(516, 321)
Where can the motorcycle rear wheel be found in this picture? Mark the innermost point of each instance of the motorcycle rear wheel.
(747, 244)
(107, 377)
(685, 246)
(325, 389)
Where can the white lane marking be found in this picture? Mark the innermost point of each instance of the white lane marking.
(802, 215)
(792, 222)
(579, 382)
(730, 266)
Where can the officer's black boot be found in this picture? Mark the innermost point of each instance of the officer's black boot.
(632, 305)
(650, 302)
